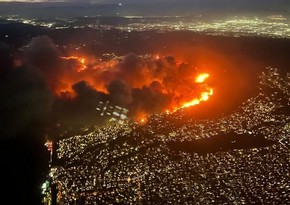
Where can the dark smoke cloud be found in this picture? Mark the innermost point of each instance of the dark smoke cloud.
(86, 98)
(41, 53)
(6, 58)
(127, 83)
(132, 70)
(25, 104)
(24, 98)
(149, 100)
(120, 93)
(80, 111)
(142, 84)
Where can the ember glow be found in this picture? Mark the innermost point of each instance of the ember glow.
(204, 96)
(201, 77)
(80, 60)
(143, 84)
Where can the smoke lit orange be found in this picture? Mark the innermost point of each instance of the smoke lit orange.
(158, 77)
(204, 96)
(78, 59)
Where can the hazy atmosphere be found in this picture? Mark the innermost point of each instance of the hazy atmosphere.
(145, 102)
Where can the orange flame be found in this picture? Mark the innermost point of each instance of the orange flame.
(81, 60)
(201, 77)
(204, 95)
(98, 73)
(81, 71)
(142, 118)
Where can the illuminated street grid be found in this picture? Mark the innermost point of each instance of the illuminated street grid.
(277, 26)
(133, 164)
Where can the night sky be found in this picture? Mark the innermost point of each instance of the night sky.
(191, 2)
(155, 7)
(257, 5)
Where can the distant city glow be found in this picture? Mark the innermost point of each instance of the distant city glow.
(269, 26)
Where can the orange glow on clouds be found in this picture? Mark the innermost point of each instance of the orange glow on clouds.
(175, 79)
(81, 60)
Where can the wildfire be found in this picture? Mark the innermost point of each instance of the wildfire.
(201, 77)
(142, 118)
(82, 62)
(204, 96)
(155, 76)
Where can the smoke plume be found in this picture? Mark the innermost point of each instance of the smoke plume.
(59, 89)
